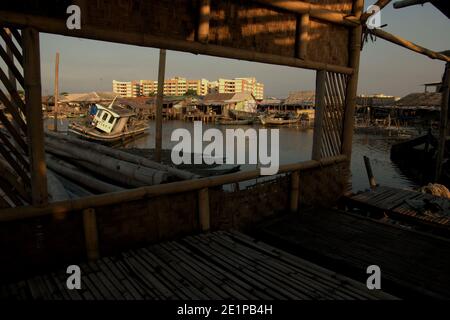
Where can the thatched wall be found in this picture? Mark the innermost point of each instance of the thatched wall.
(233, 24)
(31, 245)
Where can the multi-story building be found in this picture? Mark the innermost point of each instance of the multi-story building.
(179, 86)
(127, 88)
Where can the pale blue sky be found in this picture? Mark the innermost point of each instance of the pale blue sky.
(87, 65)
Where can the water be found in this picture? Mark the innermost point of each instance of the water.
(296, 146)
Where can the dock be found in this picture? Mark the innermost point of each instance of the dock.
(218, 265)
(413, 264)
(413, 207)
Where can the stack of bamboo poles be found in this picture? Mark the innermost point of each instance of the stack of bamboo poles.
(84, 168)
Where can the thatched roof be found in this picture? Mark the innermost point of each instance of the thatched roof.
(300, 98)
(427, 100)
(88, 97)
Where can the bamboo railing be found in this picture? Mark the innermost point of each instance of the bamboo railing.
(94, 201)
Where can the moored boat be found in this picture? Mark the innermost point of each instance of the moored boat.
(243, 115)
(278, 120)
(225, 121)
(110, 124)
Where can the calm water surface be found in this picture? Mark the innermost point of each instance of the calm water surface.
(296, 145)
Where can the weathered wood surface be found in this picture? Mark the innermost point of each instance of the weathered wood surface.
(412, 264)
(219, 265)
(405, 205)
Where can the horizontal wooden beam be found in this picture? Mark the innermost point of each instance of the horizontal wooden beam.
(56, 26)
(315, 11)
(107, 199)
(409, 45)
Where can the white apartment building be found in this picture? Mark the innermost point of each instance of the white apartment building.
(178, 86)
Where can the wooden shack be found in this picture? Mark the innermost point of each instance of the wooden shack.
(321, 35)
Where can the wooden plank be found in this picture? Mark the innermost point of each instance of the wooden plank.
(91, 234)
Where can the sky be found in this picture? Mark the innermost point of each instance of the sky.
(87, 65)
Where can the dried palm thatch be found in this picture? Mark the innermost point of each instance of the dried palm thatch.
(422, 99)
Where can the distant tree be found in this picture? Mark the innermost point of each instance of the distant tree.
(64, 93)
(191, 92)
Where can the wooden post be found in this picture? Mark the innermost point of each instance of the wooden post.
(203, 23)
(35, 128)
(56, 94)
(203, 208)
(372, 182)
(295, 182)
(443, 131)
(159, 104)
(318, 118)
(352, 83)
(90, 234)
(304, 36)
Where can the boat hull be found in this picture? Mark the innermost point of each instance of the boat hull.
(92, 134)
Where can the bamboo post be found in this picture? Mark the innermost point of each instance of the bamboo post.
(159, 104)
(203, 25)
(35, 128)
(203, 207)
(56, 94)
(90, 234)
(443, 131)
(295, 184)
(372, 181)
(352, 83)
(304, 36)
(320, 113)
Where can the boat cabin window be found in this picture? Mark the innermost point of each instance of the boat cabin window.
(111, 119)
(105, 116)
(99, 113)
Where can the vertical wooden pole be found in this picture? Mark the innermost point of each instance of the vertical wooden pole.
(203, 207)
(159, 104)
(369, 171)
(352, 83)
(90, 234)
(304, 36)
(319, 114)
(295, 182)
(56, 93)
(443, 131)
(203, 24)
(35, 127)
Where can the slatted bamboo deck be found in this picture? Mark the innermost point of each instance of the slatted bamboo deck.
(405, 205)
(413, 264)
(219, 265)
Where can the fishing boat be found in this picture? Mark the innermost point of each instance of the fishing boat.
(243, 115)
(110, 125)
(229, 121)
(279, 119)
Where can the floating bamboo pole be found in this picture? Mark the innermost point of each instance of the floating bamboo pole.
(144, 175)
(51, 25)
(409, 45)
(72, 173)
(125, 156)
(157, 190)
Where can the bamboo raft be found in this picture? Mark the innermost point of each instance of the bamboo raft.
(219, 265)
(405, 205)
